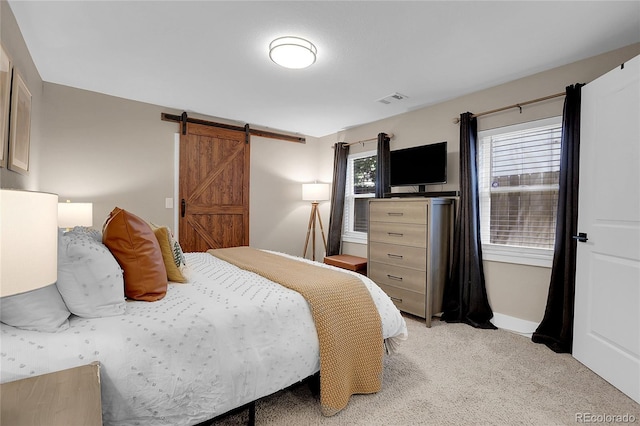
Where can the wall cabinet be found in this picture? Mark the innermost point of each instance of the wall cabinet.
(409, 251)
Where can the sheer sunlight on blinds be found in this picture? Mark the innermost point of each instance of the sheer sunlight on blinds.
(518, 172)
(361, 185)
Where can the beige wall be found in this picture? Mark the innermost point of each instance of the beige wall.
(111, 151)
(108, 151)
(279, 217)
(14, 44)
(116, 152)
(515, 290)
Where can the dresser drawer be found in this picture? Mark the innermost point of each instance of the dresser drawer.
(398, 211)
(396, 276)
(393, 254)
(407, 301)
(398, 233)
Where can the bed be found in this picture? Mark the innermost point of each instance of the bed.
(223, 339)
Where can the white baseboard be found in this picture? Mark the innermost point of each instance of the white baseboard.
(516, 325)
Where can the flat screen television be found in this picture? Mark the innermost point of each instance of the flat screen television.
(419, 165)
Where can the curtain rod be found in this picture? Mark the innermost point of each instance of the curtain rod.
(389, 135)
(520, 105)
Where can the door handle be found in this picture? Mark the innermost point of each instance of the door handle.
(581, 237)
(183, 207)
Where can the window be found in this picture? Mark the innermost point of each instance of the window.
(361, 185)
(518, 176)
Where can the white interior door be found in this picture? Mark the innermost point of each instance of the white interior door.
(607, 299)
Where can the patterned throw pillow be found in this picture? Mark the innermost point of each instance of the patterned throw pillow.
(174, 261)
(90, 279)
(93, 233)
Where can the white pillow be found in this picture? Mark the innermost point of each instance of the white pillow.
(90, 279)
(93, 233)
(38, 310)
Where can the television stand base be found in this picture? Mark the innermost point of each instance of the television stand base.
(422, 194)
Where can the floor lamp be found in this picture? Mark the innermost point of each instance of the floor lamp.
(314, 192)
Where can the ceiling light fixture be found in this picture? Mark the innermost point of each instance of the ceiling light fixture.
(292, 52)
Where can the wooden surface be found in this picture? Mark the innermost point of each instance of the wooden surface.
(67, 397)
(409, 251)
(214, 184)
(347, 261)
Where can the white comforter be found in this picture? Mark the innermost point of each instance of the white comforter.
(226, 338)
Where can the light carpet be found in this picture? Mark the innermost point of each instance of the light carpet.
(453, 374)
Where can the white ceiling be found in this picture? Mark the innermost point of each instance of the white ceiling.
(211, 57)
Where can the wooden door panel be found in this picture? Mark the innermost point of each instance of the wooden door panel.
(210, 231)
(214, 184)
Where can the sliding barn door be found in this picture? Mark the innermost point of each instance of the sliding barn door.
(607, 299)
(214, 188)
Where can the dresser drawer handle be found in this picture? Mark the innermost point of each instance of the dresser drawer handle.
(395, 299)
(393, 277)
(395, 256)
(395, 214)
(395, 234)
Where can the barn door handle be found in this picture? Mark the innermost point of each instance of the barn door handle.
(183, 207)
(582, 237)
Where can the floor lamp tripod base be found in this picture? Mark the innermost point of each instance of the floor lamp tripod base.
(311, 231)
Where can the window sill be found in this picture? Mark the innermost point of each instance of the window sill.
(355, 237)
(518, 255)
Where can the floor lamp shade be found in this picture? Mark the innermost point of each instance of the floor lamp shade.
(75, 214)
(315, 191)
(28, 241)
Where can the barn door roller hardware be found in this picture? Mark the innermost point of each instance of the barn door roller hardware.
(183, 119)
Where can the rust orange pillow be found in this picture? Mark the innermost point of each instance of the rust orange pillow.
(135, 247)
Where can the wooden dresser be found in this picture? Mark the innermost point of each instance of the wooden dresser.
(409, 251)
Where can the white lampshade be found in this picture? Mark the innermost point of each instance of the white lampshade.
(292, 52)
(75, 214)
(28, 241)
(315, 191)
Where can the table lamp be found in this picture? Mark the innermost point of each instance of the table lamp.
(74, 214)
(28, 241)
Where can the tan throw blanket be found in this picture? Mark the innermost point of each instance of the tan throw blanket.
(346, 318)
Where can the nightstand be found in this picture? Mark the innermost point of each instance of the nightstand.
(67, 397)
(347, 261)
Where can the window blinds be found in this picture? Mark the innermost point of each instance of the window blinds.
(518, 182)
(360, 187)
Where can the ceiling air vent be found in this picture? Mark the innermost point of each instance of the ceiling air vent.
(392, 98)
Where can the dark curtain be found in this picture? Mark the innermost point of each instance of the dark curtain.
(334, 235)
(382, 170)
(556, 328)
(465, 295)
